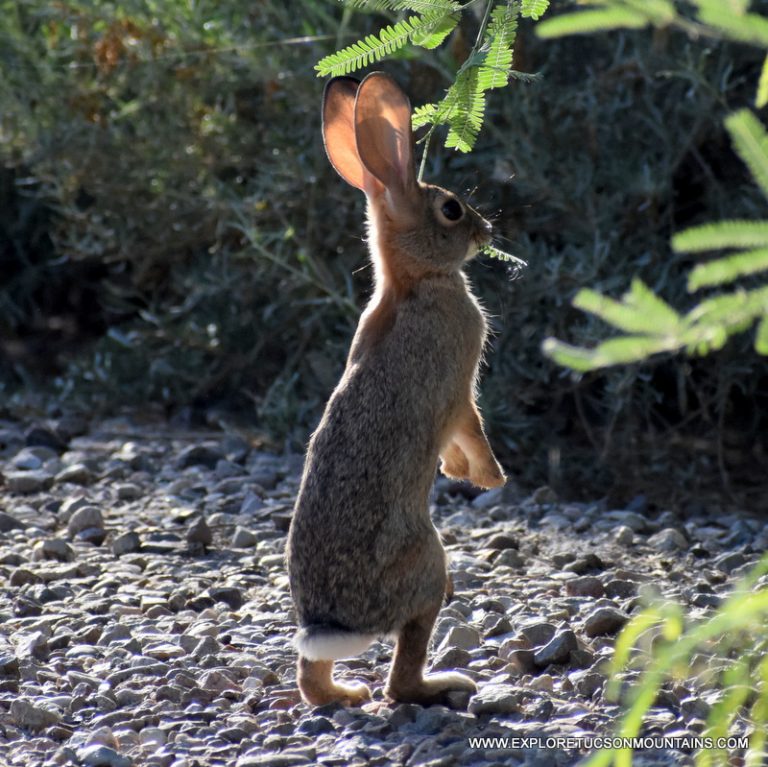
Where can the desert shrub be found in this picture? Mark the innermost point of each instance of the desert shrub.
(184, 240)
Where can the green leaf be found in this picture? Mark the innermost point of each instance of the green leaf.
(761, 99)
(432, 35)
(659, 313)
(728, 269)
(761, 338)
(616, 351)
(639, 312)
(568, 356)
(751, 144)
(373, 48)
(533, 9)
(463, 109)
(722, 234)
(746, 28)
(733, 310)
(420, 6)
(424, 115)
(500, 255)
(501, 33)
(591, 20)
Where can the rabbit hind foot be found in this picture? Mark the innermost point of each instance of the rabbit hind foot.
(318, 687)
(407, 681)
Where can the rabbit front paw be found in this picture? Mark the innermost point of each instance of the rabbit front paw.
(455, 463)
(488, 476)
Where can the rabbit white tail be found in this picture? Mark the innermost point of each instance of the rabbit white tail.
(326, 643)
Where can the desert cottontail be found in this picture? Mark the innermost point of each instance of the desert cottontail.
(363, 556)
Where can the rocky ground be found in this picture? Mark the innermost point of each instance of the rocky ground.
(145, 616)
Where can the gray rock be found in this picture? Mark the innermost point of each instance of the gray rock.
(9, 523)
(22, 577)
(251, 504)
(282, 759)
(668, 540)
(126, 543)
(243, 539)
(620, 588)
(704, 599)
(199, 455)
(521, 661)
(557, 650)
(76, 474)
(543, 496)
(206, 646)
(627, 518)
(128, 491)
(585, 586)
(316, 725)
(538, 634)
(92, 535)
(26, 482)
(85, 517)
(27, 715)
(230, 595)
(53, 548)
(32, 458)
(503, 541)
(102, 756)
(497, 699)
(71, 505)
(623, 535)
(9, 663)
(509, 558)
(462, 637)
(44, 437)
(451, 657)
(730, 561)
(604, 620)
(199, 533)
(587, 683)
(488, 499)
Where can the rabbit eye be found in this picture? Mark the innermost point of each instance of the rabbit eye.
(452, 210)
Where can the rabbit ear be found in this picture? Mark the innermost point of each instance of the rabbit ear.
(383, 133)
(339, 129)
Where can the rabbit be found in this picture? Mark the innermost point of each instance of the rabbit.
(364, 559)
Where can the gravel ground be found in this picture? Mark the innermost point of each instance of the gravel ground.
(145, 616)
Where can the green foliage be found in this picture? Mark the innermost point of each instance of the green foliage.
(172, 234)
(488, 65)
(427, 31)
(654, 325)
(716, 18)
(720, 655)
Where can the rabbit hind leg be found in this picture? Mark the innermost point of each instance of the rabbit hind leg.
(407, 681)
(318, 687)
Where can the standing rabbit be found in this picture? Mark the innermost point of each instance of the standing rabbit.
(364, 558)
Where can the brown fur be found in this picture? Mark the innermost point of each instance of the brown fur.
(363, 555)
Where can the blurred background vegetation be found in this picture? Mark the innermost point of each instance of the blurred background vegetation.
(171, 231)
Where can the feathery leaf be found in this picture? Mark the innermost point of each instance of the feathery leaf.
(592, 20)
(501, 33)
(751, 144)
(761, 99)
(721, 234)
(728, 269)
(420, 6)
(373, 48)
(432, 34)
(463, 109)
(424, 115)
(533, 9)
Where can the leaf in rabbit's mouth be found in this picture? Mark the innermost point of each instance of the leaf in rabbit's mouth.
(516, 265)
